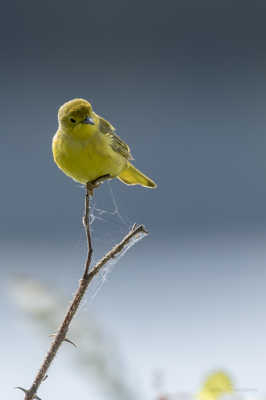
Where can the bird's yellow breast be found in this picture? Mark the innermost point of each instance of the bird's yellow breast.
(86, 157)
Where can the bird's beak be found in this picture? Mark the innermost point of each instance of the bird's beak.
(88, 120)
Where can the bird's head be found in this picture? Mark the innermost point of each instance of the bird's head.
(75, 115)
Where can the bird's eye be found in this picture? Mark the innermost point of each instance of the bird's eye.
(72, 120)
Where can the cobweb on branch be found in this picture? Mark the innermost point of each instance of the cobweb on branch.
(108, 226)
(101, 214)
(109, 266)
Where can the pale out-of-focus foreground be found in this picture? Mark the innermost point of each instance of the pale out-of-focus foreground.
(98, 357)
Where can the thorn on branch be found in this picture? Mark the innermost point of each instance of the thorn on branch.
(26, 392)
(21, 388)
(69, 341)
(65, 340)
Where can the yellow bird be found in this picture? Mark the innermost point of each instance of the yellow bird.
(86, 147)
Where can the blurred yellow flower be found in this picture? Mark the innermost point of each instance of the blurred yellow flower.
(216, 385)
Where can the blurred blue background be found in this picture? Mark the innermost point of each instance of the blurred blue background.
(184, 83)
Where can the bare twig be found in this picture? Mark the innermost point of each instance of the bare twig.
(88, 275)
(86, 223)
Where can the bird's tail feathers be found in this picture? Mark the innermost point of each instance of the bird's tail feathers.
(132, 176)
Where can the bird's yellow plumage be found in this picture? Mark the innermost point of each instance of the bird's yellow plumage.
(86, 147)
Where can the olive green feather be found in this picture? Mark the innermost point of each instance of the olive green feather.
(116, 142)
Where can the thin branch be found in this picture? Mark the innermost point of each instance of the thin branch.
(86, 223)
(135, 233)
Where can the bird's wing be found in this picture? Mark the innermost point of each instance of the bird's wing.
(116, 143)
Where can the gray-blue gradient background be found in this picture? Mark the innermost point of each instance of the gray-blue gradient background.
(184, 82)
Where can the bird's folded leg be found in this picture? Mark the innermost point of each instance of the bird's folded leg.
(96, 183)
